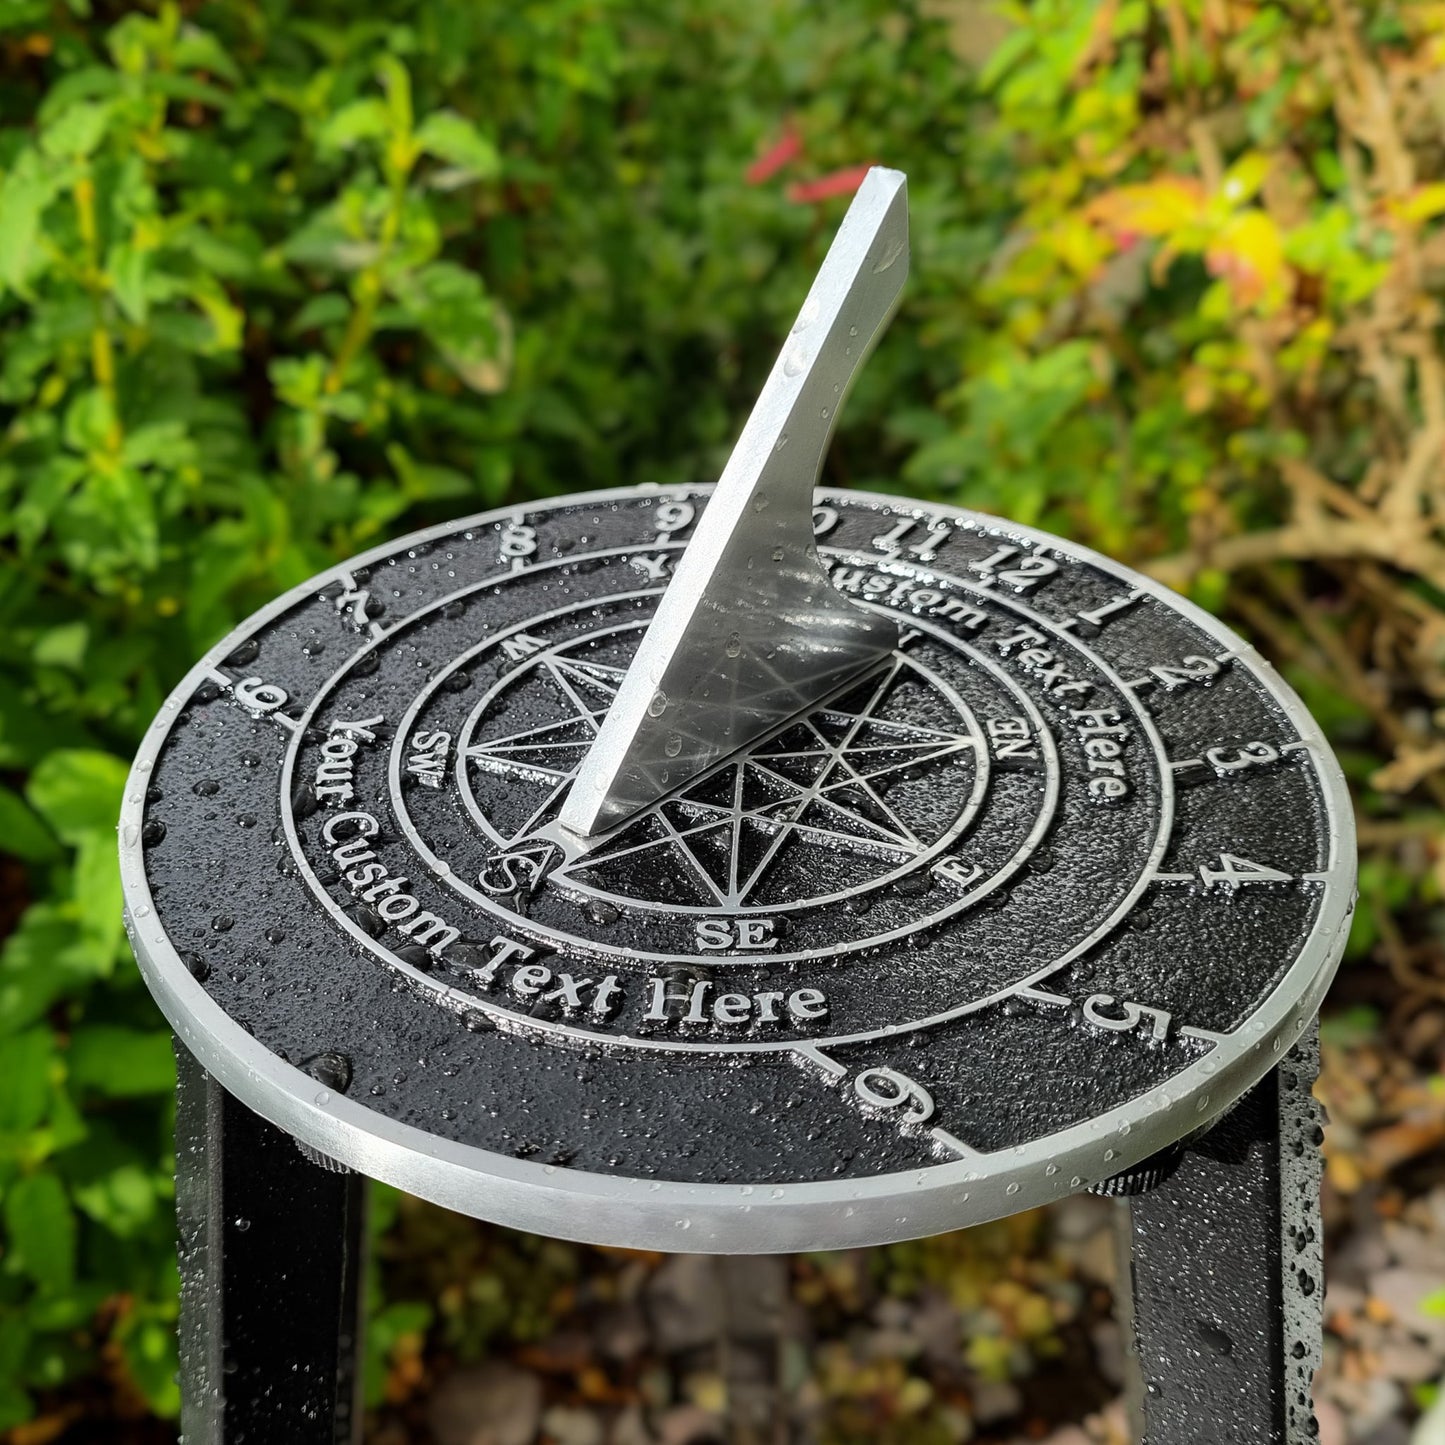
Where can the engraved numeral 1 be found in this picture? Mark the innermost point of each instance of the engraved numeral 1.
(1094, 617)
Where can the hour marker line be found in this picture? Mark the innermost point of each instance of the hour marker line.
(952, 1141)
(812, 1054)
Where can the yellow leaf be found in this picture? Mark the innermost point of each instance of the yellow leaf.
(1078, 245)
(1245, 177)
(1422, 204)
(1156, 208)
(1248, 253)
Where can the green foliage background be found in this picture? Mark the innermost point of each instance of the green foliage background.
(279, 279)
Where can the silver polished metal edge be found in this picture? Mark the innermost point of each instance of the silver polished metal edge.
(750, 632)
(742, 1217)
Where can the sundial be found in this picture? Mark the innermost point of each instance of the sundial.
(739, 867)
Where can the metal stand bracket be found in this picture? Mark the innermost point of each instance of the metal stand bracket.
(1226, 1285)
(272, 1252)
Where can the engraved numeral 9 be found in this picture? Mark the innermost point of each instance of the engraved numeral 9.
(674, 516)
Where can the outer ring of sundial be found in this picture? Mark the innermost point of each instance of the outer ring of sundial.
(737, 1214)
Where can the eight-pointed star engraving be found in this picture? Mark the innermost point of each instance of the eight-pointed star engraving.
(822, 780)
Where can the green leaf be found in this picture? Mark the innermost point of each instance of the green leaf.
(124, 1198)
(127, 267)
(76, 131)
(22, 834)
(38, 965)
(41, 1231)
(453, 138)
(24, 194)
(78, 791)
(122, 1063)
(98, 901)
(359, 121)
(25, 1080)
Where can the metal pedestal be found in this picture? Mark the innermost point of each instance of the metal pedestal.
(1225, 1285)
(272, 1252)
(1222, 1299)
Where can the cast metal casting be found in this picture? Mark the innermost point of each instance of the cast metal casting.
(1035, 896)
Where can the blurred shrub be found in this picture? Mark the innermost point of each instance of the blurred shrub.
(277, 279)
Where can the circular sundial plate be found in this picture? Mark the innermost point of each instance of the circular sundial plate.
(1045, 891)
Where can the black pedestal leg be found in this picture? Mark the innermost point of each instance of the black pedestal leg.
(1225, 1262)
(271, 1253)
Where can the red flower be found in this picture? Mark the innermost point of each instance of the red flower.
(788, 147)
(837, 183)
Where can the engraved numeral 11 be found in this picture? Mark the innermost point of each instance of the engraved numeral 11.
(938, 531)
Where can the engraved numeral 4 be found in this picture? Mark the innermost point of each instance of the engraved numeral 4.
(1231, 872)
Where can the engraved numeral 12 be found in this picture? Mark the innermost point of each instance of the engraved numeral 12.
(1026, 572)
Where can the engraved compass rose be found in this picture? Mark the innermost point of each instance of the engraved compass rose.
(859, 776)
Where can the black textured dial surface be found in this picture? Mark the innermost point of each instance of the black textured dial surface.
(1042, 893)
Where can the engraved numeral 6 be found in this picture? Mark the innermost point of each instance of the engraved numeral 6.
(260, 697)
(888, 1089)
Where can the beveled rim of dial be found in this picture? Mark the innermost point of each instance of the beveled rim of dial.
(742, 1217)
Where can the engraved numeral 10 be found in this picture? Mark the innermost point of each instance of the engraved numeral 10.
(1021, 570)
(937, 530)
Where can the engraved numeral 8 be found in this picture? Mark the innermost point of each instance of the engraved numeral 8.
(519, 541)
